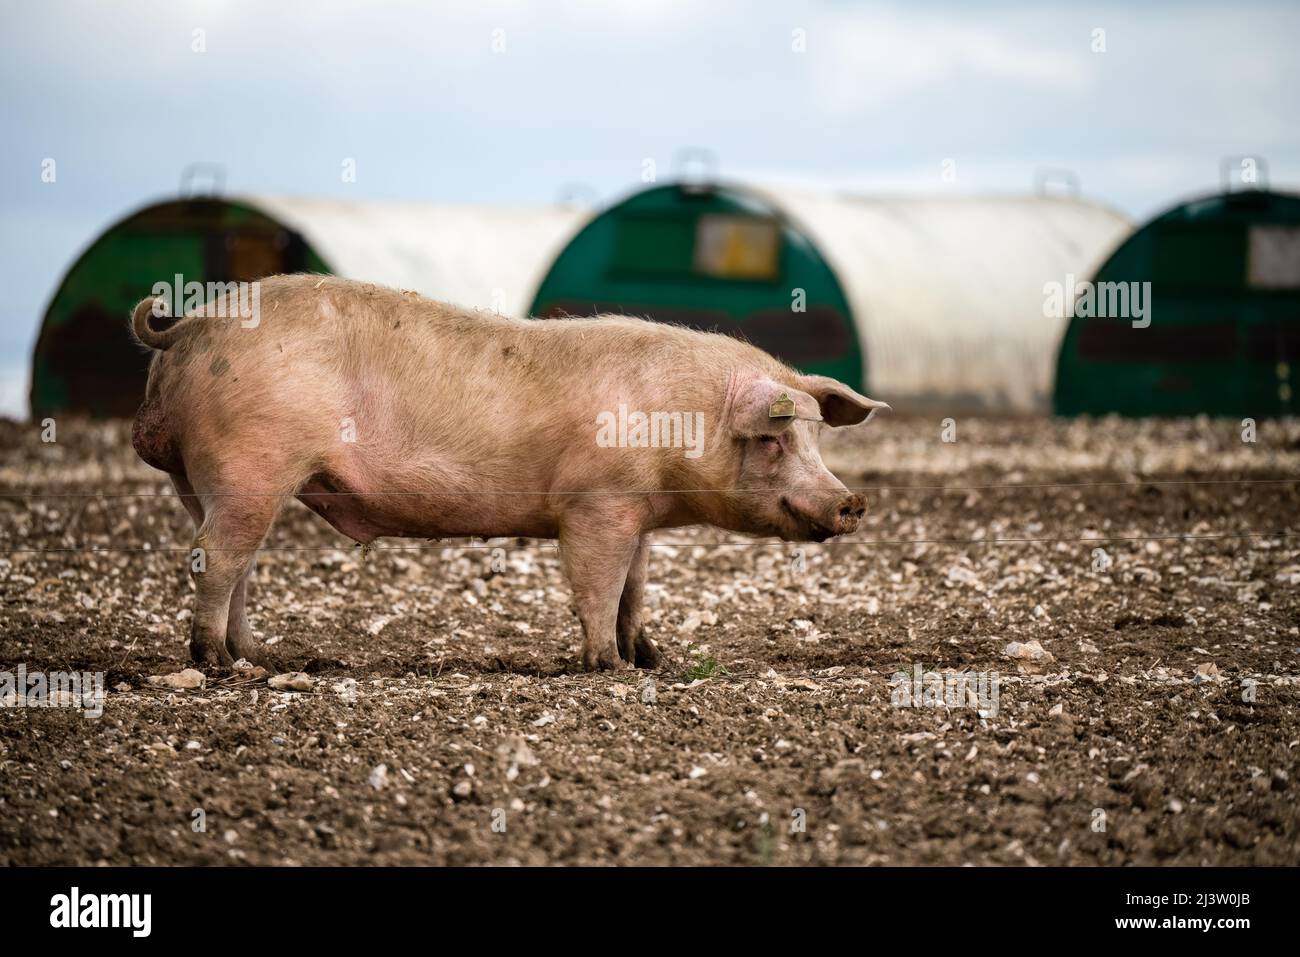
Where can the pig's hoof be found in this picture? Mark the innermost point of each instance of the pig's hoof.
(603, 659)
(647, 655)
(251, 652)
(210, 653)
(638, 650)
(260, 659)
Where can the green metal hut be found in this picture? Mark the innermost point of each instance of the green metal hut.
(1222, 333)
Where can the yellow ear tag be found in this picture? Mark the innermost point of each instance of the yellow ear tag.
(782, 408)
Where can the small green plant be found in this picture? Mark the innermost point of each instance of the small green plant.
(703, 666)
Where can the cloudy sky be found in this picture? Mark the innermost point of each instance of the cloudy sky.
(489, 102)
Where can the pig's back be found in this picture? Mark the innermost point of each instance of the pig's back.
(423, 388)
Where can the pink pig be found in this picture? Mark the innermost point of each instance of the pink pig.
(392, 415)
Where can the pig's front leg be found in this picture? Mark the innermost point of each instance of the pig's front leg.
(633, 645)
(597, 549)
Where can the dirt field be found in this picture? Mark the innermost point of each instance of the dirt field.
(768, 737)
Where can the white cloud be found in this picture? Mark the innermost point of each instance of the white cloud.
(866, 59)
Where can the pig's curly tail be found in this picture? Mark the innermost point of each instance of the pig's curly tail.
(148, 336)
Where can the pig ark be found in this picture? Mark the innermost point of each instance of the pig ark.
(392, 415)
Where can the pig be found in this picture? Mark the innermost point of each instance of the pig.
(389, 414)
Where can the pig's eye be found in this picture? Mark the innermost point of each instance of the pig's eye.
(769, 443)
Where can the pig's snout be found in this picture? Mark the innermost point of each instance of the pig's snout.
(848, 514)
(828, 515)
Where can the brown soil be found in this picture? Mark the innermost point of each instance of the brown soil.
(773, 705)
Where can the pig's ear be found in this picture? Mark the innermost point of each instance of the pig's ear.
(839, 404)
(763, 406)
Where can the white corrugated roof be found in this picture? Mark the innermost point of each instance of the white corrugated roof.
(481, 257)
(947, 291)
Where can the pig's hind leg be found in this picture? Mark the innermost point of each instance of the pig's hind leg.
(233, 526)
(597, 554)
(239, 635)
(633, 645)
